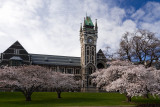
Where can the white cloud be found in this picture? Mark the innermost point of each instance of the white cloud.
(138, 15)
(52, 26)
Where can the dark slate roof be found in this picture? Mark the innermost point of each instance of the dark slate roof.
(55, 60)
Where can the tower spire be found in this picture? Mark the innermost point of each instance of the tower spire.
(81, 27)
(96, 27)
(84, 22)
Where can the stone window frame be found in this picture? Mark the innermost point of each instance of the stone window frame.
(16, 51)
(70, 71)
(77, 71)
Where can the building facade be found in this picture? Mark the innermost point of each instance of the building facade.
(82, 67)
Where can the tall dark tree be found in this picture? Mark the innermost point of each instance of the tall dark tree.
(125, 51)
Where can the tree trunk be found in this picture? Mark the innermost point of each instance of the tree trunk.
(128, 98)
(28, 98)
(27, 95)
(146, 96)
(58, 94)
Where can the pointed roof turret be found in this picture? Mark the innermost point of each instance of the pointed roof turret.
(101, 55)
(96, 27)
(88, 21)
(81, 27)
(84, 24)
(100, 51)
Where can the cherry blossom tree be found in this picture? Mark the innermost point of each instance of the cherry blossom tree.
(29, 79)
(26, 79)
(62, 82)
(125, 77)
(154, 87)
(104, 77)
(134, 82)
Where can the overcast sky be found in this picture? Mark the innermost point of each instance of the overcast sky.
(52, 26)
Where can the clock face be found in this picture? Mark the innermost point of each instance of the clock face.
(90, 40)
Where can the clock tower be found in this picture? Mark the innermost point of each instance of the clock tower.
(88, 40)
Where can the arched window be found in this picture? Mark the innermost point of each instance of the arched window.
(87, 58)
(93, 59)
(93, 51)
(90, 70)
(92, 54)
(88, 51)
(100, 66)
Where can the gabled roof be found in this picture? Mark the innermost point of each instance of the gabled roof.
(101, 55)
(16, 45)
(55, 60)
(100, 51)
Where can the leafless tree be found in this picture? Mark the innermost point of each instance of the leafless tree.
(110, 55)
(125, 47)
(141, 46)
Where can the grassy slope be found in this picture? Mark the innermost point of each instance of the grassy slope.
(48, 99)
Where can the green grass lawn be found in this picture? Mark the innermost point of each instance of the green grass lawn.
(49, 99)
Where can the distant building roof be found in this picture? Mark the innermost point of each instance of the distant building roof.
(55, 60)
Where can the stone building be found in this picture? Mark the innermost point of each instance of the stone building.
(81, 67)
